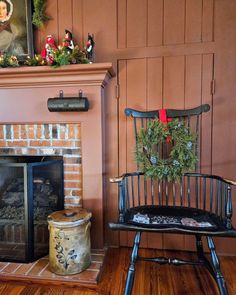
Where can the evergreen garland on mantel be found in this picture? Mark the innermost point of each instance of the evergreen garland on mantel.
(39, 16)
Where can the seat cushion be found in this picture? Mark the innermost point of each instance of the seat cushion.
(172, 216)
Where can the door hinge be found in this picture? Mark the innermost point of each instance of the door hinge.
(117, 91)
(213, 86)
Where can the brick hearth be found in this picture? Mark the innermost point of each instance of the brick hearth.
(39, 272)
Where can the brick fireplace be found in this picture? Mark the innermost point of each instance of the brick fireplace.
(52, 139)
(28, 128)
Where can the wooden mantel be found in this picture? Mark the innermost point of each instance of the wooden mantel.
(89, 74)
(23, 96)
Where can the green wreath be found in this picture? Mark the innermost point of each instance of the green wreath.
(181, 143)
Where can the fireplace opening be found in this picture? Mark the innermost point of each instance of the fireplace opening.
(31, 188)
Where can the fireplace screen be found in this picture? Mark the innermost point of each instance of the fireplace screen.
(29, 192)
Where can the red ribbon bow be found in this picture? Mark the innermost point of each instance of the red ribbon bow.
(163, 116)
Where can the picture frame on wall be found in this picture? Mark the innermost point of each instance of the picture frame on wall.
(16, 33)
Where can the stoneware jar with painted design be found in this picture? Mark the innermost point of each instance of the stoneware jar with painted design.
(69, 246)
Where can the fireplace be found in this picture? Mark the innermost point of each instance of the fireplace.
(27, 127)
(30, 189)
(36, 159)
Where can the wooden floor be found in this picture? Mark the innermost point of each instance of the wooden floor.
(150, 278)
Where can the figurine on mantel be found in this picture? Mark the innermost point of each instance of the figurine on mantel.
(68, 43)
(49, 48)
(90, 47)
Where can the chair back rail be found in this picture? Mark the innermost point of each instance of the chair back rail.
(170, 113)
(190, 117)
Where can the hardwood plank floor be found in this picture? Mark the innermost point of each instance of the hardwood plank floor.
(150, 279)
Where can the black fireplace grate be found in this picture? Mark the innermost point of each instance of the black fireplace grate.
(29, 192)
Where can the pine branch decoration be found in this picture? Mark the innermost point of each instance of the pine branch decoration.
(7, 61)
(39, 16)
(35, 60)
(62, 56)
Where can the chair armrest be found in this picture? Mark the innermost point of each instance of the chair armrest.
(118, 179)
(228, 181)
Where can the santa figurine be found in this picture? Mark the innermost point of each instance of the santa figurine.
(68, 41)
(90, 47)
(49, 48)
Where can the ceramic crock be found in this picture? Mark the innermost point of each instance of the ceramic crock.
(69, 246)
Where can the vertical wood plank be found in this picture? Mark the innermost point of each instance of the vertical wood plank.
(121, 23)
(77, 22)
(224, 102)
(193, 25)
(206, 140)
(136, 98)
(136, 23)
(193, 80)
(64, 18)
(154, 83)
(155, 22)
(174, 20)
(174, 73)
(111, 160)
(208, 21)
(122, 70)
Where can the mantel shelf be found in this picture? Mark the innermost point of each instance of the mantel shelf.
(41, 76)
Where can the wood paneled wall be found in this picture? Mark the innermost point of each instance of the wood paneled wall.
(157, 22)
(165, 54)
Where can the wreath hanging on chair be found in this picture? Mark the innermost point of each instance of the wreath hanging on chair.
(180, 158)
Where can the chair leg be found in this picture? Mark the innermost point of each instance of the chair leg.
(216, 267)
(131, 272)
(201, 256)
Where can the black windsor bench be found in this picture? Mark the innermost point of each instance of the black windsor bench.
(199, 205)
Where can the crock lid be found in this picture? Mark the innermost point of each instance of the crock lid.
(69, 217)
